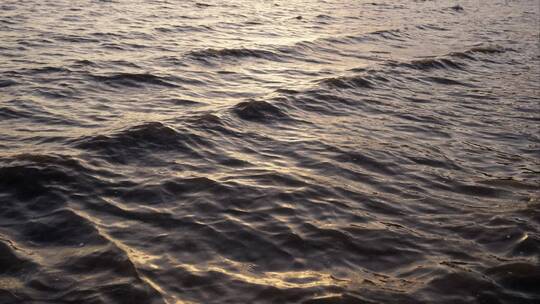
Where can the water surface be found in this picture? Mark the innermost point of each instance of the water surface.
(249, 151)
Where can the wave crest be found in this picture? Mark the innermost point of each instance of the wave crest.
(231, 53)
(259, 110)
(133, 80)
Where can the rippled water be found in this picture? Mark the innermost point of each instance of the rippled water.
(250, 151)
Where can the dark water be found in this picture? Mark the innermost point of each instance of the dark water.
(294, 151)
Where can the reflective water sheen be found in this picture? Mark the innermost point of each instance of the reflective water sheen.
(250, 151)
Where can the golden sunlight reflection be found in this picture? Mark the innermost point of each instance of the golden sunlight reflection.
(282, 280)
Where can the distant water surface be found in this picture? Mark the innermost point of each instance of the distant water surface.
(299, 151)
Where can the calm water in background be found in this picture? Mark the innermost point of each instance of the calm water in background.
(250, 151)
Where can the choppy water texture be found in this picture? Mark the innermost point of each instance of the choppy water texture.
(248, 151)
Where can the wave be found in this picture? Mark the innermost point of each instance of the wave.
(430, 64)
(47, 70)
(517, 276)
(4, 83)
(133, 80)
(457, 8)
(129, 143)
(446, 81)
(91, 257)
(232, 53)
(62, 227)
(11, 259)
(394, 34)
(449, 61)
(348, 82)
(488, 50)
(505, 283)
(191, 186)
(296, 51)
(327, 44)
(13, 264)
(10, 113)
(29, 182)
(74, 39)
(37, 212)
(210, 123)
(34, 113)
(432, 27)
(207, 120)
(364, 161)
(184, 29)
(259, 110)
(480, 50)
(202, 5)
(84, 63)
(318, 99)
(386, 34)
(32, 175)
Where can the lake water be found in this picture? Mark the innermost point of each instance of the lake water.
(250, 151)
